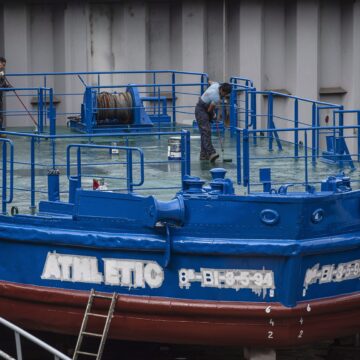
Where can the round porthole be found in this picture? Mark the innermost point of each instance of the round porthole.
(269, 217)
(317, 216)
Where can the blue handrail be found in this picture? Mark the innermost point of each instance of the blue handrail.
(129, 164)
(244, 160)
(7, 200)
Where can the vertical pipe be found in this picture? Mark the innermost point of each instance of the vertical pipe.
(238, 156)
(313, 134)
(270, 120)
(173, 94)
(296, 133)
(18, 346)
(246, 166)
(98, 83)
(32, 175)
(4, 176)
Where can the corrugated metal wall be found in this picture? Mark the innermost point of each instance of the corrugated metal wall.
(305, 47)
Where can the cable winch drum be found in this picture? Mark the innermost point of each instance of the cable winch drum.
(174, 148)
(114, 109)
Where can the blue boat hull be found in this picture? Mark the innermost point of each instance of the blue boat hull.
(178, 288)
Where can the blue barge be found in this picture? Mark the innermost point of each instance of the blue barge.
(208, 266)
(271, 268)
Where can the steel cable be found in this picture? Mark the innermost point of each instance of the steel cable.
(114, 108)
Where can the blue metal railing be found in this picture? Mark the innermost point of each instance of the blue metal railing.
(130, 184)
(247, 158)
(154, 80)
(44, 100)
(7, 199)
(34, 166)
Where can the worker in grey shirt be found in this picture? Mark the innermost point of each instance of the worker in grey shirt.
(205, 113)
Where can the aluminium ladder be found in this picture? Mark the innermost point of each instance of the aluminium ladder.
(102, 336)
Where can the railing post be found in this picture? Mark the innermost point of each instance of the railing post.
(317, 131)
(173, 94)
(306, 156)
(18, 346)
(246, 167)
(238, 156)
(358, 134)
(296, 123)
(185, 154)
(78, 156)
(202, 79)
(158, 110)
(4, 179)
(341, 121)
(32, 175)
(313, 134)
(246, 108)
(183, 161)
(188, 153)
(88, 109)
(233, 107)
(129, 172)
(253, 113)
(154, 86)
(40, 110)
(52, 113)
(270, 120)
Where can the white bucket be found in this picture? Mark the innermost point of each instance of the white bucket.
(174, 148)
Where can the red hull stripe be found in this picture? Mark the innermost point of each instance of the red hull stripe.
(185, 321)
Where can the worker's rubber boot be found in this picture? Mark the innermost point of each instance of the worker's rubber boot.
(213, 157)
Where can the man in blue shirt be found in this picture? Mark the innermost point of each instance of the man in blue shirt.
(204, 114)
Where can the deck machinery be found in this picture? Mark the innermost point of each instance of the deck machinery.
(116, 111)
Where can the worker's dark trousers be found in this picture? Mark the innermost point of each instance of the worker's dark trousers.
(203, 121)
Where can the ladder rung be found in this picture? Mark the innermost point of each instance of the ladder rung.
(91, 334)
(86, 353)
(103, 296)
(98, 315)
